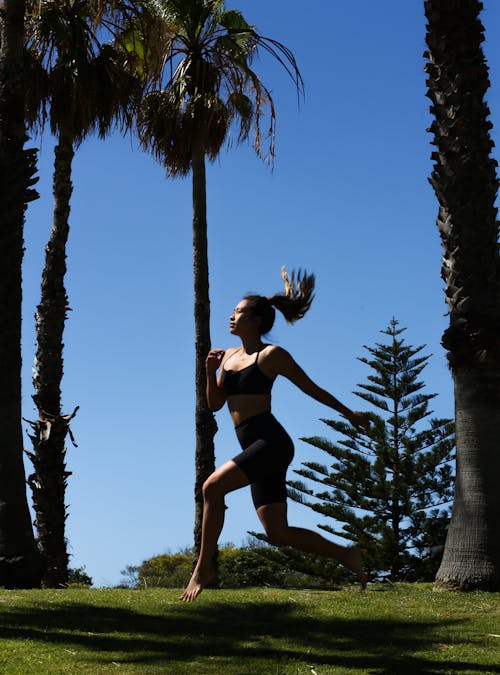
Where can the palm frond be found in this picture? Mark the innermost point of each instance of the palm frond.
(208, 56)
(88, 84)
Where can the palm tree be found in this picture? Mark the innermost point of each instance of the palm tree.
(20, 564)
(204, 83)
(464, 179)
(81, 86)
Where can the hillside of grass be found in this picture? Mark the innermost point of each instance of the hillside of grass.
(400, 629)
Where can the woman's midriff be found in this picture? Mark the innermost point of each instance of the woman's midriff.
(244, 406)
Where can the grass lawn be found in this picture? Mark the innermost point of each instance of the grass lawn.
(401, 629)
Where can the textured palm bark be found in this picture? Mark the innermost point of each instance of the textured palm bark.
(206, 427)
(465, 181)
(20, 563)
(49, 480)
(472, 550)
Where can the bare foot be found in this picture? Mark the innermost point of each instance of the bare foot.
(196, 584)
(354, 562)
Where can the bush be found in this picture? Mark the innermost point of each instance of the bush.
(78, 578)
(253, 565)
(169, 570)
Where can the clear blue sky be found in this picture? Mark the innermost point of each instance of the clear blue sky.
(348, 200)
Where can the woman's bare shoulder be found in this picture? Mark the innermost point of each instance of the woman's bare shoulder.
(230, 351)
(275, 352)
(276, 359)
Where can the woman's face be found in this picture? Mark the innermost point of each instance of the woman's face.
(242, 322)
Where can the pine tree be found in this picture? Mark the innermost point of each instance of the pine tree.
(389, 490)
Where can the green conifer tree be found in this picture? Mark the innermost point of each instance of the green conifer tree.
(389, 490)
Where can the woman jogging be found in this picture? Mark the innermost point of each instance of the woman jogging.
(245, 379)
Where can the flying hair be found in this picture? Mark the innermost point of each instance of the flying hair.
(293, 303)
(298, 295)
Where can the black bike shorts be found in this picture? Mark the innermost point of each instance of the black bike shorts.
(267, 452)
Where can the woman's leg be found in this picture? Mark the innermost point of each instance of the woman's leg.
(274, 519)
(225, 479)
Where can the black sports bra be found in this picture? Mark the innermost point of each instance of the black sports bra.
(249, 380)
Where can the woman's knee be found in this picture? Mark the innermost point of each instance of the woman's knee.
(277, 535)
(225, 479)
(212, 488)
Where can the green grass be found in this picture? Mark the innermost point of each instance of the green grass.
(400, 629)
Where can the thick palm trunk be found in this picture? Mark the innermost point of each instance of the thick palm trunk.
(206, 426)
(48, 482)
(20, 564)
(472, 551)
(465, 182)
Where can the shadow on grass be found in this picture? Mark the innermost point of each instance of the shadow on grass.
(254, 632)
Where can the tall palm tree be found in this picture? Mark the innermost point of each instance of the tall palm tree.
(465, 181)
(81, 86)
(20, 564)
(204, 83)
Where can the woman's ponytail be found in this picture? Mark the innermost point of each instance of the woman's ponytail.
(298, 295)
(293, 303)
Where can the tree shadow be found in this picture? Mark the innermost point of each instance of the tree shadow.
(255, 631)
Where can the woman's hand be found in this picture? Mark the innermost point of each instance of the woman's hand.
(214, 360)
(215, 394)
(358, 420)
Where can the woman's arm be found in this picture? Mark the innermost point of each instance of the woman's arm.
(215, 393)
(283, 364)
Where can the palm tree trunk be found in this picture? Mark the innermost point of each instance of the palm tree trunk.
(206, 426)
(49, 479)
(464, 179)
(20, 563)
(472, 550)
